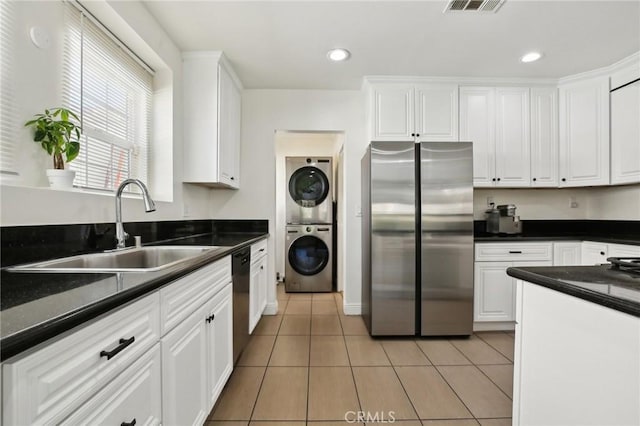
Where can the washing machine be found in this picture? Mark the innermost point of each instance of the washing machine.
(309, 264)
(309, 190)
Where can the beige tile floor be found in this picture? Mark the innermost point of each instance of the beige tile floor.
(311, 365)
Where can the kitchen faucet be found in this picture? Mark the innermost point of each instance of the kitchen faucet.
(149, 206)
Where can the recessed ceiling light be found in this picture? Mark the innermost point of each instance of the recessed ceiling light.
(338, 55)
(531, 57)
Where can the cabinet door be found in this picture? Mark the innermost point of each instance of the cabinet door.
(219, 344)
(625, 134)
(436, 112)
(262, 287)
(229, 111)
(594, 253)
(544, 137)
(494, 292)
(623, 250)
(584, 133)
(392, 114)
(512, 152)
(566, 254)
(184, 371)
(254, 296)
(135, 395)
(477, 125)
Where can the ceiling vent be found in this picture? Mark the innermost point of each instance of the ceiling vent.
(473, 6)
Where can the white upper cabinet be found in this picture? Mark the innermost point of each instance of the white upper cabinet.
(436, 112)
(625, 126)
(212, 119)
(513, 146)
(477, 124)
(584, 133)
(414, 112)
(497, 121)
(544, 137)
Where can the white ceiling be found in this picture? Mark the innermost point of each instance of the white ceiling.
(276, 44)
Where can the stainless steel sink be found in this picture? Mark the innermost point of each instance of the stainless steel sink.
(142, 259)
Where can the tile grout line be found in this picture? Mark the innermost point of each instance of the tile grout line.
(454, 391)
(253, 409)
(494, 348)
(415, 410)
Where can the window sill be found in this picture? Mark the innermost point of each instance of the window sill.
(76, 190)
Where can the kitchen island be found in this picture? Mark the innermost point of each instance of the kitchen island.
(577, 353)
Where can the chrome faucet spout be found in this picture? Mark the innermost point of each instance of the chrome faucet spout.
(149, 206)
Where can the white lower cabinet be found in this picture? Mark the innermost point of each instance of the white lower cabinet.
(257, 283)
(197, 360)
(623, 250)
(134, 397)
(163, 359)
(575, 362)
(594, 253)
(184, 366)
(219, 344)
(567, 253)
(494, 290)
(46, 385)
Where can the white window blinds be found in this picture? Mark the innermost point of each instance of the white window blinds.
(8, 110)
(112, 93)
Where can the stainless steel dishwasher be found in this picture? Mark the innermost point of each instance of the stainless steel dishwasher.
(241, 269)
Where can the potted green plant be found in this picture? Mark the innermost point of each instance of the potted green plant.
(58, 134)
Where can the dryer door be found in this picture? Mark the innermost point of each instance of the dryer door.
(308, 186)
(308, 255)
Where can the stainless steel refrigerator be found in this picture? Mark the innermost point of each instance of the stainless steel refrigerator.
(417, 238)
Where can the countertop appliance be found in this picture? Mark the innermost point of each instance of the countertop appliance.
(417, 219)
(503, 219)
(240, 270)
(309, 190)
(309, 259)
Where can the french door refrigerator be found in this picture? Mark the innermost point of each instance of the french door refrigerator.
(417, 238)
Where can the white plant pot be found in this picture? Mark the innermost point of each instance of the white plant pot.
(61, 179)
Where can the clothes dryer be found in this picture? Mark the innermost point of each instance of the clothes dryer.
(309, 190)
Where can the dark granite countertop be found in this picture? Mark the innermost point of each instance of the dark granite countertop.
(38, 306)
(604, 231)
(504, 238)
(598, 284)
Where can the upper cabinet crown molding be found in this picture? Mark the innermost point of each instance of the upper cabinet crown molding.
(212, 120)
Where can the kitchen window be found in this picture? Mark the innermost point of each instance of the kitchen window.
(8, 110)
(112, 90)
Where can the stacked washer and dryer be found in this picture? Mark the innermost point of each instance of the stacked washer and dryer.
(309, 230)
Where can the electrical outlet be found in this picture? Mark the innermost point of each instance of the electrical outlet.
(186, 211)
(573, 203)
(489, 201)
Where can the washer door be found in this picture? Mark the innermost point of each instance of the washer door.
(308, 186)
(308, 255)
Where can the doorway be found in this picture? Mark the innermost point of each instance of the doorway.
(290, 143)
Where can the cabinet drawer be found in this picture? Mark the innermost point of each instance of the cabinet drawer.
(181, 298)
(258, 250)
(136, 394)
(513, 252)
(47, 385)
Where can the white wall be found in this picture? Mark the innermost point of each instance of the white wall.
(594, 203)
(294, 144)
(614, 203)
(27, 200)
(264, 112)
(535, 204)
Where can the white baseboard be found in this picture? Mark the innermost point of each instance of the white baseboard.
(494, 326)
(352, 308)
(271, 308)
